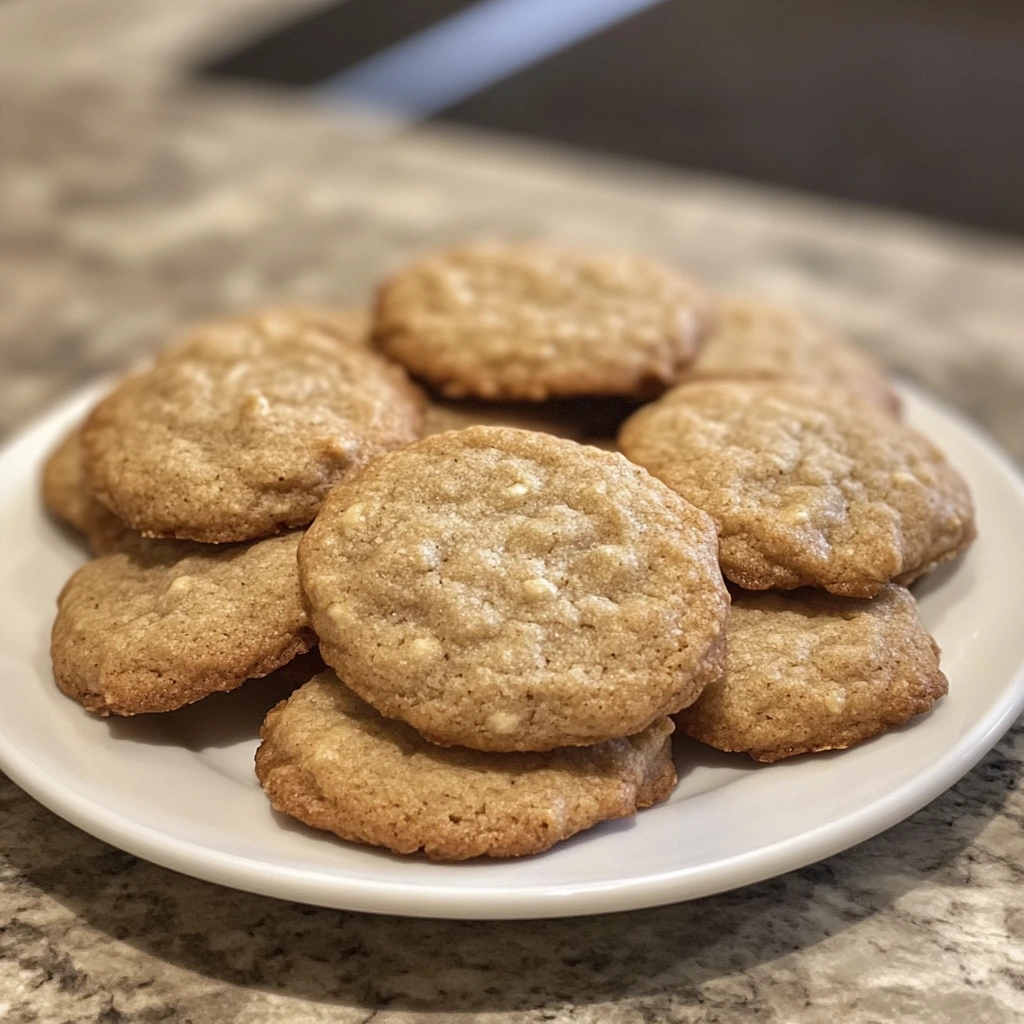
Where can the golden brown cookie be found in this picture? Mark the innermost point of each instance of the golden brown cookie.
(809, 487)
(753, 339)
(330, 760)
(507, 590)
(160, 624)
(67, 496)
(807, 671)
(241, 429)
(533, 320)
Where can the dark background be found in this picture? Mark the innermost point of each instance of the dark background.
(917, 104)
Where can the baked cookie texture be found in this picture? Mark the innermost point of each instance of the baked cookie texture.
(67, 496)
(808, 486)
(530, 321)
(160, 624)
(807, 671)
(330, 760)
(754, 339)
(507, 590)
(241, 429)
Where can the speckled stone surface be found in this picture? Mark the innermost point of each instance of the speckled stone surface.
(125, 212)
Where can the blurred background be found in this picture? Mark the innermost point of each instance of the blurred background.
(917, 104)
(162, 162)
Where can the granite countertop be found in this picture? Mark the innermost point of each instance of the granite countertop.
(132, 203)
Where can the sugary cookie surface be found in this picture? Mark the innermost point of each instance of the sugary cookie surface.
(531, 320)
(508, 590)
(243, 427)
(807, 671)
(756, 339)
(809, 486)
(330, 760)
(160, 624)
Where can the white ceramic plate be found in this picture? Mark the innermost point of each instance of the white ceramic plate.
(179, 789)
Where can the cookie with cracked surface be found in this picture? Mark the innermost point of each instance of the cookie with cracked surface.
(241, 429)
(809, 487)
(67, 497)
(507, 590)
(754, 339)
(160, 624)
(332, 761)
(534, 320)
(807, 671)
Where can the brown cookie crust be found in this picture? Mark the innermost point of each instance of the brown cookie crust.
(807, 671)
(507, 590)
(330, 760)
(535, 320)
(160, 624)
(754, 339)
(67, 496)
(809, 487)
(241, 429)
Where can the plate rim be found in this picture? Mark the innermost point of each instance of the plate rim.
(508, 901)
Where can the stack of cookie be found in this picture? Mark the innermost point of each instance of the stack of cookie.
(510, 615)
(185, 480)
(786, 436)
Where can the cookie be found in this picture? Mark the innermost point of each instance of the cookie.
(160, 624)
(241, 429)
(753, 339)
(532, 321)
(507, 590)
(807, 671)
(809, 487)
(67, 496)
(330, 760)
